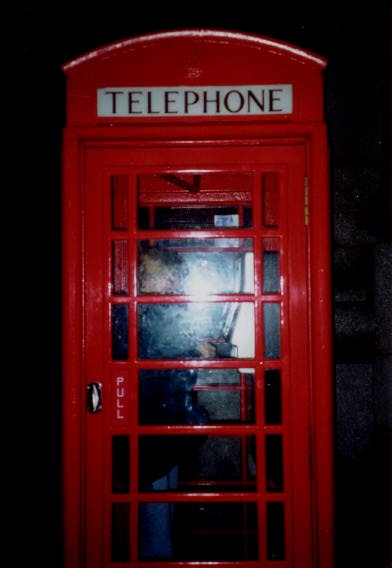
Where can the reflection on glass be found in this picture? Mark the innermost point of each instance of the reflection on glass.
(275, 531)
(273, 396)
(196, 266)
(271, 313)
(274, 462)
(120, 464)
(119, 194)
(120, 271)
(196, 330)
(199, 462)
(119, 332)
(227, 394)
(194, 201)
(271, 273)
(270, 183)
(120, 532)
(198, 531)
(196, 396)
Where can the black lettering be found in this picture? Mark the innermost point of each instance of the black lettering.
(149, 104)
(114, 99)
(273, 99)
(188, 102)
(216, 100)
(241, 101)
(259, 103)
(169, 101)
(132, 101)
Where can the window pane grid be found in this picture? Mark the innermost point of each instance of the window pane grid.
(268, 295)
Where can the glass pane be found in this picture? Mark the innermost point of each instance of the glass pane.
(273, 397)
(271, 272)
(195, 201)
(274, 462)
(196, 396)
(196, 266)
(270, 182)
(275, 531)
(198, 531)
(119, 332)
(196, 330)
(271, 331)
(120, 270)
(120, 532)
(197, 463)
(120, 464)
(119, 192)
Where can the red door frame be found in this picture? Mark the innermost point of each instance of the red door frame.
(76, 141)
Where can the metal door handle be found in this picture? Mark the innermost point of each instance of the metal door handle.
(94, 397)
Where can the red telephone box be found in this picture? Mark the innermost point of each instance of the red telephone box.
(197, 359)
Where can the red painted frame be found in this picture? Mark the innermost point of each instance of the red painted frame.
(85, 133)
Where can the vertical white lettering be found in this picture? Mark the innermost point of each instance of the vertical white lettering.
(120, 394)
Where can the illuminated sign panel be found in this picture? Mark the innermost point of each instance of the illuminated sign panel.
(194, 101)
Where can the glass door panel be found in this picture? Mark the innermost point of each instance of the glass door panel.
(196, 447)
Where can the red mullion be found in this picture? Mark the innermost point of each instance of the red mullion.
(276, 429)
(193, 497)
(213, 483)
(196, 429)
(134, 379)
(218, 387)
(286, 375)
(272, 364)
(205, 564)
(261, 489)
(260, 455)
(259, 372)
(123, 299)
(271, 298)
(193, 363)
(159, 234)
(133, 267)
(278, 497)
(107, 301)
(182, 299)
(257, 217)
(259, 398)
(284, 364)
(210, 249)
(259, 387)
(244, 456)
(120, 498)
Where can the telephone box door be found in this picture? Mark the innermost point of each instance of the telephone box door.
(196, 375)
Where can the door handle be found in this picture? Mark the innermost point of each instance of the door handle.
(94, 397)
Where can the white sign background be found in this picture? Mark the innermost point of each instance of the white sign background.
(194, 101)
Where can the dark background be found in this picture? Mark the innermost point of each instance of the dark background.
(355, 38)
